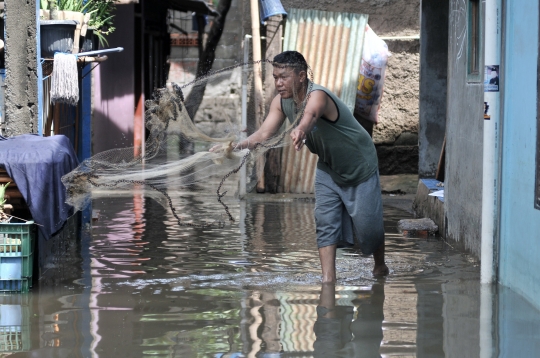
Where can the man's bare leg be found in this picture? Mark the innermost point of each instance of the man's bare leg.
(380, 268)
(327, 256)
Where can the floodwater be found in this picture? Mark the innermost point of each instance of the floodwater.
(138, 285)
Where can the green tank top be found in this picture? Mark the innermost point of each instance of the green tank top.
(345, 149)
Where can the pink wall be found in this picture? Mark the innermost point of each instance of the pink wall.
(114, 85)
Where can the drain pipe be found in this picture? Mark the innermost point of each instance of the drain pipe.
(490, 198)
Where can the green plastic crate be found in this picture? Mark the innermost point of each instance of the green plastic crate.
(15, 268)
(17, 239)
(22, 285)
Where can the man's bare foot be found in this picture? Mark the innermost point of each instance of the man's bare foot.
(381, 270)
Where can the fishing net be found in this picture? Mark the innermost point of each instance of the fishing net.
(182, 124)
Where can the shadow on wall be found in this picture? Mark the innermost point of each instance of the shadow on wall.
(117, 74)
(107, 134)
(114, 88)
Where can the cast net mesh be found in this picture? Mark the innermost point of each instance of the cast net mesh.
(176, 155)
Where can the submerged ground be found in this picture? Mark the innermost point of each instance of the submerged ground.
(138, 285)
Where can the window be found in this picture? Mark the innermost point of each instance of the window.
(474, 31)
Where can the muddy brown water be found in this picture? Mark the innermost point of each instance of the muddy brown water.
(138, 285)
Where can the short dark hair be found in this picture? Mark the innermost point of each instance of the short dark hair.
(292, 59)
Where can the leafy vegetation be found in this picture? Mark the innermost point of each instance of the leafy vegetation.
(102, 17)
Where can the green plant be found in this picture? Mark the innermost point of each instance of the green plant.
(102, 18)
(3, 216)
(2, 195)
(47, 4)
(71, 5)
(67, 5)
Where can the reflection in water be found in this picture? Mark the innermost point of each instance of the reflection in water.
(339, 333)
(143, 287)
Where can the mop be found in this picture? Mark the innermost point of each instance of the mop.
(65, 79)
(65, 76)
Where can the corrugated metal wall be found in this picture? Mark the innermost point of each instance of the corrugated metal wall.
(332, 44)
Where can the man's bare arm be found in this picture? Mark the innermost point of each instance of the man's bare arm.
(315, 108)
(269, 127)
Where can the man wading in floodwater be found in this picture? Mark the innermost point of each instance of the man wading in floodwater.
(347, 191)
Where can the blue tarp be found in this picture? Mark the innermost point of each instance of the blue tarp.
(37, 164)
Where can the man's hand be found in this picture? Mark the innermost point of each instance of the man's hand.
(299, 138)
(226, 147)
(216, 148)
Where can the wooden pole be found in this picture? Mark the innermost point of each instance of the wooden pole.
(76, 45)
(274, 31)
(257, 79)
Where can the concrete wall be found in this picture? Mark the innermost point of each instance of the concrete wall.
(464, 137)
(386, 17)
(114, 86)
(396, 134)
(520, 221)
(21, 91)
(433, 81)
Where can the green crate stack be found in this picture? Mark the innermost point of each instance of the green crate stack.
(17, 242)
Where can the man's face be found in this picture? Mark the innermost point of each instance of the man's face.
(287, 81)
